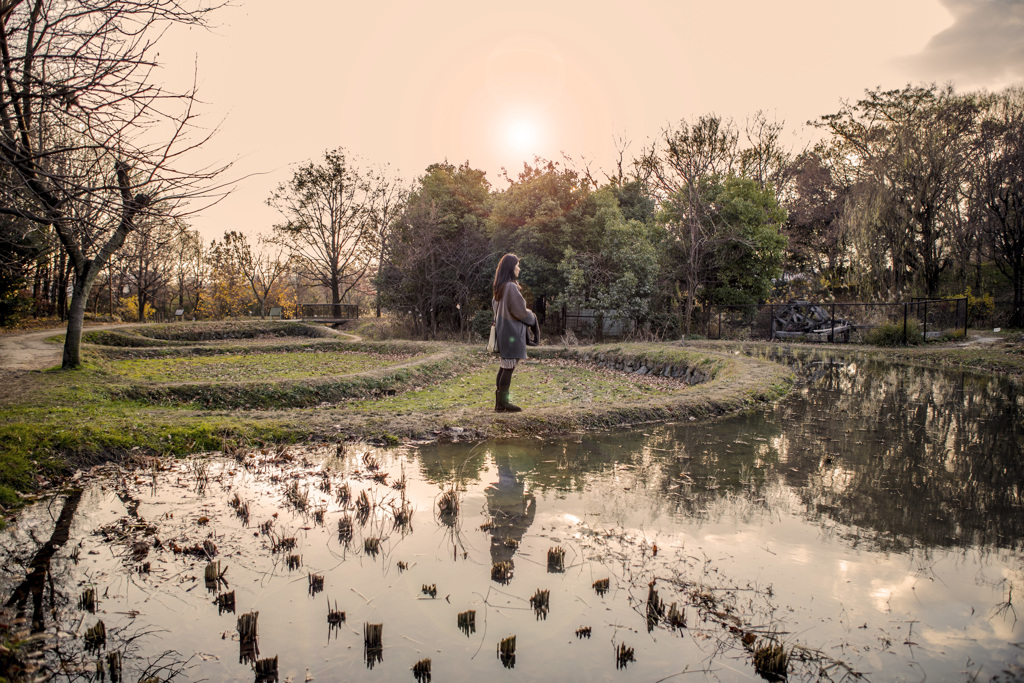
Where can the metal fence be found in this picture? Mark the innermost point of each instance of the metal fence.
(913, 321)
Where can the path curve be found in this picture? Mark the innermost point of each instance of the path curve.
(32, 351)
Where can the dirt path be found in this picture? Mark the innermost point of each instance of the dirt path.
(31, 351)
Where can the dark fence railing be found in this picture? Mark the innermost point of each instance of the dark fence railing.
(338, 312)
(916, 320)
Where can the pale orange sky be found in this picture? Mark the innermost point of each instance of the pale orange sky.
(410, 83)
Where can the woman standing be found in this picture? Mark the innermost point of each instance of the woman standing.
(511, 320)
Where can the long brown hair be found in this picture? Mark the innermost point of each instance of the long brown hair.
(504, 274)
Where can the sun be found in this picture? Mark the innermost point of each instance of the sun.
(522, 135)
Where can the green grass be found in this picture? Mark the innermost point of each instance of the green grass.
(184, 399)
(312, 362)
(539, 385)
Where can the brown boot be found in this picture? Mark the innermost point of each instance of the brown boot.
(501, 404)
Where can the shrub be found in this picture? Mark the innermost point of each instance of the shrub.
(14, 308)
(481, 323)
(980, 309)
(891, 334)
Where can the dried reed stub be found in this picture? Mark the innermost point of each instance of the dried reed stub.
(266, 526)
(373, 644)
(225, 602)
(541, 604)
(371, 546)
(556, 559)
(345, 529)
(293, 562)
(402, 566)
(318, 516)
(266, 670)
(335, 617)
(399, 485)
(87, 600)
(210, 548)
(144, 568)
(676, 617)
(429, 589)
(280, 544)
(623, 656)
(96, 637)
(467, 622)
(655, 607)
(501, 572)
(371, 462)
(316, 583)
(297, 497)
(448, 506)
(247, 627)
(507, 652)
(403, 515)
(380, 477)
(241, 509)
(198, 470)
(214, 574)
(114, 665)
(363, 507)
(771, 661)
(344, 495)
(487, 526)
(601, 587)
(325, 483)
(421, 670)
(510, 542)
(583, 632)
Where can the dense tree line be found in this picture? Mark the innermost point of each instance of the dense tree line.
(911, 192)
(917, 192)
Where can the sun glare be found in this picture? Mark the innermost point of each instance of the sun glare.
(522, 136)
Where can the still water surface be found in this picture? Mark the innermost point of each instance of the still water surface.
(872, 523)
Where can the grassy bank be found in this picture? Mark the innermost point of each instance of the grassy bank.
(205, 387)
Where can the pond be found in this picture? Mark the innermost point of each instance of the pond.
(870, 525)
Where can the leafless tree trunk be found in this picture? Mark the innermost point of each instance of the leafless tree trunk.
(88, 143)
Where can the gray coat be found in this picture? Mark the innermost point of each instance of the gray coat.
(511, 320)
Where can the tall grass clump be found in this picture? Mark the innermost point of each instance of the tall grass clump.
(891, 334)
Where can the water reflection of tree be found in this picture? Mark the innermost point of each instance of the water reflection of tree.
(922, 456)
(917, 456)
(39, 574)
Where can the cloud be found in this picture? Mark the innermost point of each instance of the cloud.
(983, 48)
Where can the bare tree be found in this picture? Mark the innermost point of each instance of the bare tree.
(262, 266)
(327, 208)
(89, 144)
(146, 259)
(388, 197)
(190, 269)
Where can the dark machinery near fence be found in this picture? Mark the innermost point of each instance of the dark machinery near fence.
(803, 319)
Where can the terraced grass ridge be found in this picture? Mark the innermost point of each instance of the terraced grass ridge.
(176, 389)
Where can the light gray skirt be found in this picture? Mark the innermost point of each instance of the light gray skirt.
(508, 363)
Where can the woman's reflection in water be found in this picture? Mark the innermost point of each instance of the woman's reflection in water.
(511, 508)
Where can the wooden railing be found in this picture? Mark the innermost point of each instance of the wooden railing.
(329, 312)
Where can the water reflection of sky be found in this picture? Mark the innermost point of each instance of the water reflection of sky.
(873, 518)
